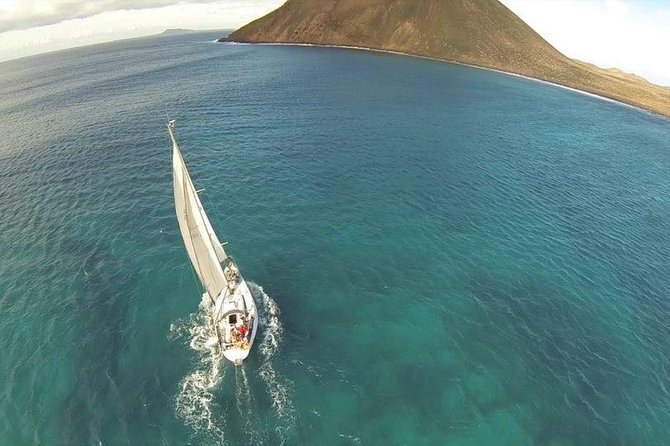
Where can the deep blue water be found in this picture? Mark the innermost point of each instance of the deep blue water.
(458, 256)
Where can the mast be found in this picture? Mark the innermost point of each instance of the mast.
(202, 245)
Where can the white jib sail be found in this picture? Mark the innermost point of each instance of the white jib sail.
(202, 245)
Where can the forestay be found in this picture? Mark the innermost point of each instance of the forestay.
(203, 247)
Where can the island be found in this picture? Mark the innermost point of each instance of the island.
(171, 31)
(482, 33)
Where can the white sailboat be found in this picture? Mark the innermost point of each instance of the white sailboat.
(235, 318)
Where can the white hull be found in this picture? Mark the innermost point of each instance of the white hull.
(230, 310)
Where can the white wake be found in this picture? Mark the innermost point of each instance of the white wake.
(196, 401)
(270, 341)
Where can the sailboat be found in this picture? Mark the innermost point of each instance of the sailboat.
(234, 315)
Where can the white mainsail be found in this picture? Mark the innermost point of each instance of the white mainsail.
(202, 245)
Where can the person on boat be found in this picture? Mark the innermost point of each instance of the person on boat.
(244, 331)
(235, 335)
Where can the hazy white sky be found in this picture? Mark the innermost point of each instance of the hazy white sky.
(633, 35)
(35, 26)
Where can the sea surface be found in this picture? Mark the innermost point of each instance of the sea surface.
(442, 255)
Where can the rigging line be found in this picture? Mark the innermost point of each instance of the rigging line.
(203, 215)
(189, 230)
(185, 183)
(213, 211)
(212, 207)
(201, 209)
(171, 143)
(216, 217)
(196, 281)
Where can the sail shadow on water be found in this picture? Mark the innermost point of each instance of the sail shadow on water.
(100, 311)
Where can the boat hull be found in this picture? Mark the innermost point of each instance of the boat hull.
(234, 311)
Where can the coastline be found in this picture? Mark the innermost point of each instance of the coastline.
(437, 59)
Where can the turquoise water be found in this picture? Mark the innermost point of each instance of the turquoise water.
(447, 255)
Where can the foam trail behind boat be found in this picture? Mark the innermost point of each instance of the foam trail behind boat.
(245, 405)
(195, 401)
(198, 402)
(278, 388)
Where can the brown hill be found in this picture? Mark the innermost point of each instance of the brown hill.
(478, 32)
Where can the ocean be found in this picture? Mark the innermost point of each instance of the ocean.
(441, 254)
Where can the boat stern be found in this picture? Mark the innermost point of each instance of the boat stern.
(236, 355)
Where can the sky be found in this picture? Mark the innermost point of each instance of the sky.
(632, 35)
(35, 26)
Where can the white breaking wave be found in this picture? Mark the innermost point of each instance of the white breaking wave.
(196, 401)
